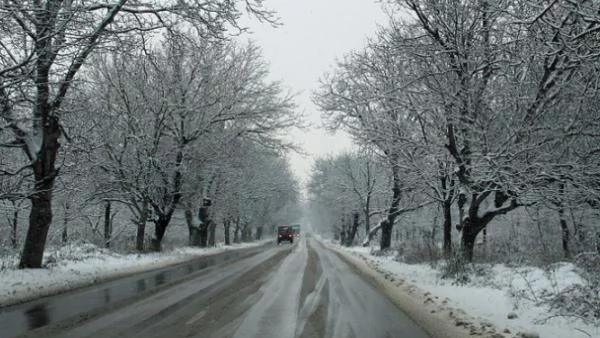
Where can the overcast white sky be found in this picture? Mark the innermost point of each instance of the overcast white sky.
(313, 35)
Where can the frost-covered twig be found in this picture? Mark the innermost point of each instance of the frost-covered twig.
(547, 318)
(529, 286)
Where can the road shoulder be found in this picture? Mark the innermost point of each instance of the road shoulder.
(417, 304)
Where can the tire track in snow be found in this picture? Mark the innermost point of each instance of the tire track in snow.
(352, 300)
(275, 314)
(312, 273)
(313, 283)
(157, 310)
(315, 324)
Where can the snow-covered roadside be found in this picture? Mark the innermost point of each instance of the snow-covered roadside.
(483, 306)
(76, 266)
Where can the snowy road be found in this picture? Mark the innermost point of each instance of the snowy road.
(304, 291)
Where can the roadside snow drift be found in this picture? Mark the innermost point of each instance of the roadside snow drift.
(502, 303)
(76, 266)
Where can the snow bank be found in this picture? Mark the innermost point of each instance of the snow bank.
(80, 265)
(503, 302)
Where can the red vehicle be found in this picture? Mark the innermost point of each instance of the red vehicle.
(285, 233)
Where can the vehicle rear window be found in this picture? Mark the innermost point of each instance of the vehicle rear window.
(283, 229)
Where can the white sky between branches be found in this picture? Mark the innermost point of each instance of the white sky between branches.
(314, 34)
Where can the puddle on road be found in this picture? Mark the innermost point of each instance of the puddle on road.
(37, 316)
(19, 319)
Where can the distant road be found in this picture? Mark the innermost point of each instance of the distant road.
(302, 290)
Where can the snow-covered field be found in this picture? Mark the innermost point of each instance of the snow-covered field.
(504, 298)
(80, 265)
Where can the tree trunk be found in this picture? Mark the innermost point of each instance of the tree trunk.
(164, 218)
(540, 232)
(566, 235)
(193, 231)
(448, 188)
(581, 236)
(107, 225)
(432, 242)
(259, 231)
(386, 227)
(195, 239)
(205, 223)
(189, 217)
(353, 229)
(39, 223)
(139, 237)
(462, 200)
(236, 232)
(578, 232)
(386, 234)
(226, 226)
(211, 234)
(236, 235)
(14, 227)
(473, 224)
(468, 244)
(45, 174)
(65, 230)
(368, 214)
(46, 131)
(189, 221)
(141, 227)
(203, 234)
(447, 247)
(246, 233)
(563, 223)
(160, 228)
(470, 230)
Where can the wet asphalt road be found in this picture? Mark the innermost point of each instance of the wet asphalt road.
(302, 290)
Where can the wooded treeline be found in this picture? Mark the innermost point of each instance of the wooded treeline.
(479, 109)
(119, 114)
